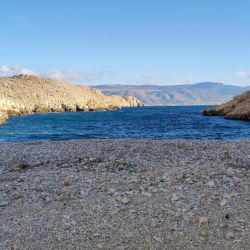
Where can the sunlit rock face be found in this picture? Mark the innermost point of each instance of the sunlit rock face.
(26, 94)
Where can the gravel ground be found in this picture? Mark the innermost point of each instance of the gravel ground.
(125, 195)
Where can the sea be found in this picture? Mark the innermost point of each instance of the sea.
(157, 123)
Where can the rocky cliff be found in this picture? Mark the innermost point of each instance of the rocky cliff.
(238, 108)
(27, 94)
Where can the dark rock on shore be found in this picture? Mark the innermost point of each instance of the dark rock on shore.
(238, 108)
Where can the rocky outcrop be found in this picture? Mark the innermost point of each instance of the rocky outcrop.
(27, 94)
(238, 108)
(133, 101)
(3, 118)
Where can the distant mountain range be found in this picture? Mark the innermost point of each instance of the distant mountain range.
(204, 93)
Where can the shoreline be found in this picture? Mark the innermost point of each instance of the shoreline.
(132, 194)
(122, 140)
(5, 116)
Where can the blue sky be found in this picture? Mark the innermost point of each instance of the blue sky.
(127, 42)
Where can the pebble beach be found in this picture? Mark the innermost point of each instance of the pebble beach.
(123, 194)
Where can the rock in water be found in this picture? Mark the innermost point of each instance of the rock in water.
(3, 118)
(238, 108)
(27, 94)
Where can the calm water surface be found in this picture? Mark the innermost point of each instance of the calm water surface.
(129, 123)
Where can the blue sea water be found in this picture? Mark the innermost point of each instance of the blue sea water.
(128, 123)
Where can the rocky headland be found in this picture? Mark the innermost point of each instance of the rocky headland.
(27, 94)
(238, 108)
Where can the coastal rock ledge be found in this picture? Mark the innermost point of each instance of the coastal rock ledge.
(238, 108)
(28, 94)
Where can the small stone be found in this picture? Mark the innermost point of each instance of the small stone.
(117, 194)
(203, 234)
(66, 184)
(125, 200)
(229, 235)
(84, 192)
(236, 179)
(146, 193)
(203, 221)
(164, 177)
(65, 165)
(111, 190)
(3, 203)
(64, 190)
(131, 192)
(199, 184)
(122, 199)
(153, 189)
(210, 184)
(173, 229)
(223, 203)
(18, 196)
(47, 199)
(226, 196)
(230, 172)
(158, 239)
(174, 198)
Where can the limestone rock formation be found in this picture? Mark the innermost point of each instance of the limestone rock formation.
(3, 118)
(27, 94)
(238, 108)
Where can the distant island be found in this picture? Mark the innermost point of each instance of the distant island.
(27, 94)
(205, 93)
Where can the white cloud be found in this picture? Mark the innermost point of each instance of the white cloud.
(74, 75)
(71, 75)
(68, 75)
(191, 81)
(243, 73)
(4, 69)
(65, 75)
(151, 79)
(26, 71)
(143, 80)
(13, 70)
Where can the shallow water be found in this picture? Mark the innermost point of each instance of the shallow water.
(128, 123)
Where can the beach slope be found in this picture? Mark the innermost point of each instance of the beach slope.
(125, 195)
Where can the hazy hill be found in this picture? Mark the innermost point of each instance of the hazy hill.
(186, 94)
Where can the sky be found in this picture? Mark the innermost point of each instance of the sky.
(160, 42)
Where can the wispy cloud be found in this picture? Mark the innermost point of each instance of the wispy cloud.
(71, 75)
(68, 75)
(18, 19)
(243, 73)
(13, 70)
(4, 69)
(153, 79)
(144, 79)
